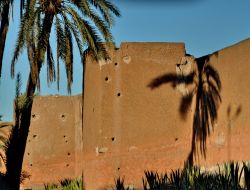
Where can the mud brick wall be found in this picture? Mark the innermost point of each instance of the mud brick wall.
(129, 127)
(53, 150)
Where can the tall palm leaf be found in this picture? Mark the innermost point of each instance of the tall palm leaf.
(72, 19)
(4, 11)
(5, 8)
(86, 21)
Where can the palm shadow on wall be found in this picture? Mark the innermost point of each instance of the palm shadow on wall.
(206, 94)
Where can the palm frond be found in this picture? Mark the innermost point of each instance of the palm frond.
(51, 76)
(23, 3)
(4, 19)
(106, 8)
(69, 58)
(43, 38)
(90, 35)
(60, 50)
(77, 36)
(27, 22)
(101, 24)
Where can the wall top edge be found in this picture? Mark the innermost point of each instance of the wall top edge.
(242, 43)
(173, 43)
(123, 44)
(57, 96)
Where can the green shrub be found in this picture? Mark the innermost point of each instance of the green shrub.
(66, 184)
(228, 177)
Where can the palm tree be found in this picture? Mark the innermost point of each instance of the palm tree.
(207, 98)
(87, 21)
(5, 7)
(11, 143)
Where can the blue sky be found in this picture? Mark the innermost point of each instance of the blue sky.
(203, 25)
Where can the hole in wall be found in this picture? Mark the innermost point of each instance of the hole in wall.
(62, 117)
(66, 141)
(34, 136)
(67, 165)
(176, 139)
(113, 139)
(31, 165)
(106, 78)
(119, 94)
(116, 64)
(68, 154)
(64, 136)
(28, 153)
(118, 169)
(35, 116)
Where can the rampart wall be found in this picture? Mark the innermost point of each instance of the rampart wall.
(130, 126)
(54, 145)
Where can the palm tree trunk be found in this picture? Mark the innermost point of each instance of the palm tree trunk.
(3, 31)
(83, 79)
(15, 170)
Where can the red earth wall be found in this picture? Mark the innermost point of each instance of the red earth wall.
(129, 127)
